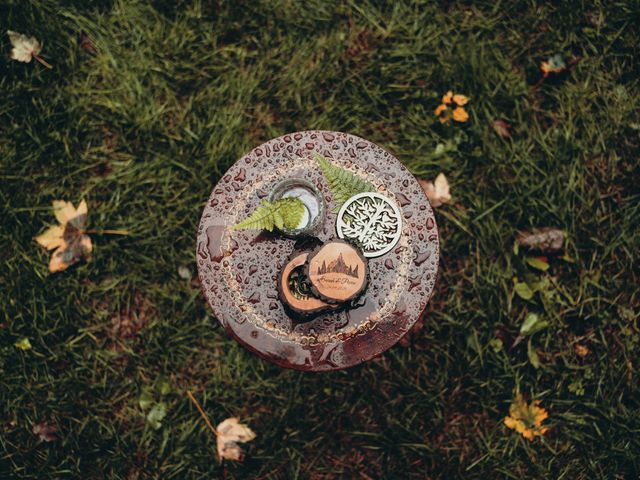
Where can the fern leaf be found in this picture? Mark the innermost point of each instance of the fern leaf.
(292, 209)
(283, 213)
(343, 183)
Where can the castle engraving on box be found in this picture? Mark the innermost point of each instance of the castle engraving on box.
(337, 271)
(372, 220)
(338, 266)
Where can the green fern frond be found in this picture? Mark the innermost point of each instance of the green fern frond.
(343, 183)
(283, 213)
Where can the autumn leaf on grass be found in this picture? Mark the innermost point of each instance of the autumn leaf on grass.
(85, 43)
(452, 107)
(25, 48)
(554, 64)
(23, 344)
(526, 419)
(544, 240)
(437, 192)
(581, 350)
(69, 239)
(502, 128)
(44, 431)
(230, 433)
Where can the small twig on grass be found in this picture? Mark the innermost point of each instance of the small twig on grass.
(540, 82)
(42, 61)
(204, 415)
(107, 232)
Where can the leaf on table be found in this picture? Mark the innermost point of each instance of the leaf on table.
(523, 291)
(502, 128)
(25, 48)
(532, 323)
(553, 64)
(343, 183)
(437, 192)
(282, 213)
(156, 415)
(44, 431)
(230, 433)
(539, 263)
(23, 344)
(69, 239)
(545, 240)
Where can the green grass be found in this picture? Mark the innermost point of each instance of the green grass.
(177, 92)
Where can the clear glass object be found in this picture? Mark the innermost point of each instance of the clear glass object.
(314, 208)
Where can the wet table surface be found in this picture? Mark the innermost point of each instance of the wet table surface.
(238, 269)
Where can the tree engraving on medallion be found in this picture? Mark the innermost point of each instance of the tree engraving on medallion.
(372, 220)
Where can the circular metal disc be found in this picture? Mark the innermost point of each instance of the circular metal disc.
(372, 220)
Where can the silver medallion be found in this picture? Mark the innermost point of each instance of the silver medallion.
(372, 220)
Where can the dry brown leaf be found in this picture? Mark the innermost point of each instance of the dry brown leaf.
(86, 43)
(581, 350)
(502, 128)
(69, 239)
(230, 433)
(546, 240)
(438, 192)
(25, 48)
(44, 431)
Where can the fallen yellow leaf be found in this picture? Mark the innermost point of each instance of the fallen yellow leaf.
(460, 114)
(69, 239)
(441, 108)
(23, 344)
(581, 350)
(460, 99)
(526, 419)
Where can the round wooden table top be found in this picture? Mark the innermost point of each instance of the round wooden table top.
(239, 269)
